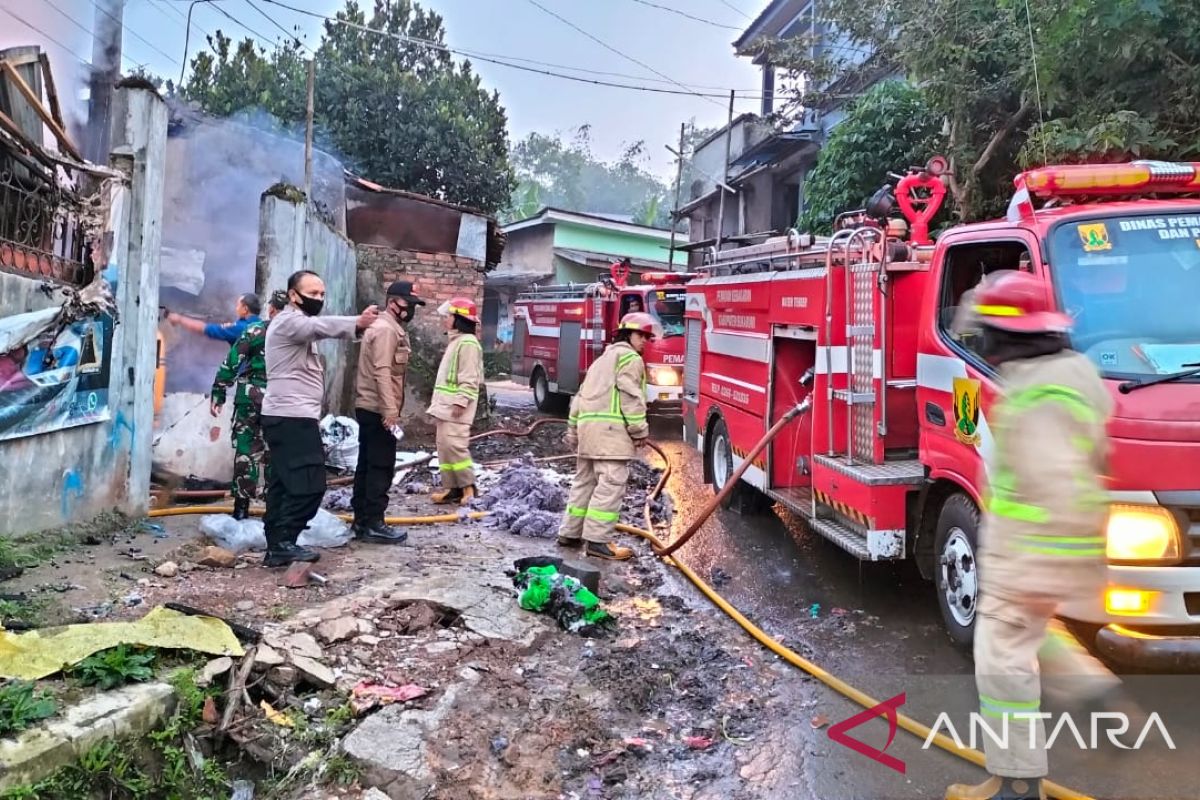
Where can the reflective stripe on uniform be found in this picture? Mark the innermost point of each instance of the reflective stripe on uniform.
(451, 385)
(603, 516)
(1074, 401)
(991, 707)
(457, 466)
(576, 511)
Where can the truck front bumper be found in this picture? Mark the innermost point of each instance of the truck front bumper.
(664, 399)
(1174, 652)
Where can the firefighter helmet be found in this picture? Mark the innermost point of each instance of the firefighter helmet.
(1019, 303)
(642, 323)
(461, 307)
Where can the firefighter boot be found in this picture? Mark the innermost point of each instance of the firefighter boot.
(447, 496)
(241, 508)
(608, 550)
(282, 554)
(997, 788)
(468, 494)
(379, 532)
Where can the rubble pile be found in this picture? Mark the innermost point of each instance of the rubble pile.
(525, 500)
(642, 480)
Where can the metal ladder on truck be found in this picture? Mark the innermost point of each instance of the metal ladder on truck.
(864, 459)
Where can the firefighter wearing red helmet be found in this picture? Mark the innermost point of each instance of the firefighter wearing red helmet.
(455, 397)
(1042, 542)
(606, 426)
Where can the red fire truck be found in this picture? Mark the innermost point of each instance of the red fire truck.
(558, 331)
(888, 455)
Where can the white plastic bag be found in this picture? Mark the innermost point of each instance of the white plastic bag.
(325, 530)
(339, 435)
(236, 536)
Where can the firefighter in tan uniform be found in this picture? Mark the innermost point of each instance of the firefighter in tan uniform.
(455, 397)
(1042, 541)
(606, 426)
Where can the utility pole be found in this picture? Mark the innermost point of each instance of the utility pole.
(725, 173)
(675, 209)
(308, 130)
(106, 69)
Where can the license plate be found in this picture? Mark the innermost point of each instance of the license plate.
(664, 396)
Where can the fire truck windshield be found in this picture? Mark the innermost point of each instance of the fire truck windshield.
(1131, 283)
(667, 305)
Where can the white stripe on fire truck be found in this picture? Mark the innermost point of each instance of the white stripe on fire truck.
(938, 373)
(832, 361)
(735, 382)
(753, 475)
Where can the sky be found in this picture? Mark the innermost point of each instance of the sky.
(672, 49)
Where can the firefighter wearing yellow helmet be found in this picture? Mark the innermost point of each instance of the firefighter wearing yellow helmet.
(1042, 542)
(606, 426)
(455, 398)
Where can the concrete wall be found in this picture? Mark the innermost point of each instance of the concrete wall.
(437, 277)
(71, 475)
(293, 237)
(529, 251)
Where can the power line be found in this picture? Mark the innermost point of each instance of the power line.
(290, 34)
(501, 62)
(134, 33)
(236, 21)
(627, 57)
(65, 48)
(735, 8)
(687, 15)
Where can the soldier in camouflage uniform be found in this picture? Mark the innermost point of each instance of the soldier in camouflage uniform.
(246, 366)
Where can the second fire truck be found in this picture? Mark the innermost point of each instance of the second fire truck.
(558, 331)
(887, 455)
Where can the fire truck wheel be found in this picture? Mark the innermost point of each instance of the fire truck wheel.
(744, 499)
(543, 398)
(956, 568)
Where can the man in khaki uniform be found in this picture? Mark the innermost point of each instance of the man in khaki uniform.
(455, 397)
(1042, 541)
(606, 426)
(378, 399)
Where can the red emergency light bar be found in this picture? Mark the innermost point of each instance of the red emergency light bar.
(1138, 177)
(667, 277)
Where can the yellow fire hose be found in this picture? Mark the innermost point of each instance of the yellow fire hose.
(905, 722)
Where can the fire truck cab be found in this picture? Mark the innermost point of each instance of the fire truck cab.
(889, 458)
(558, 331)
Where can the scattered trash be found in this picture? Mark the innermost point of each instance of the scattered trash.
(242, 790)
(36, 654)
(546, 590)
(240, 536)
(698, 742)
(647, 610)
(275, 717)
(339, 499)
(819, 721)
(244, 606)
(719, 577)
(132, 599)
(155, 528)
(366, 696)
(839, 612)
(325, 530)
(499, 745)
(167, 569)
(217, 557)
(524, 500)
(814, 610)
(298, 576)
(339, 435)
(639, 742)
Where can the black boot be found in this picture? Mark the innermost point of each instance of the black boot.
(379, 532)
(284, 553)
(241, 507)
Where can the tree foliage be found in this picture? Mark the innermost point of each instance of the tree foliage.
(401, 115)
(1117, 78)
(888, 128)
(566, 174)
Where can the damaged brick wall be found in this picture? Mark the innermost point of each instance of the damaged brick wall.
(437, 278)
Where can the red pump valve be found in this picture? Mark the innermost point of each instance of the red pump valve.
(919, 210)
(620, 271)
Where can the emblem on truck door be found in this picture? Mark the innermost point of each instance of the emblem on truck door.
(966, 411)
(1095, 237)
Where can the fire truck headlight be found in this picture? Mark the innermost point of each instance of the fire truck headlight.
(664, 376)
(1142, 533)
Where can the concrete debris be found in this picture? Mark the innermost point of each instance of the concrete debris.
(268, 656)
(342, 628)
(167, 569)
(244, 606)
(216, 557)
(301, 644)
(314, 671)
(218, 666)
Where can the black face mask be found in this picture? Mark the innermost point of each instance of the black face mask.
(311, 306)
(404, 314)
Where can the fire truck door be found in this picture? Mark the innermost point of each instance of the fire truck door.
(568, 357)
(520, 332)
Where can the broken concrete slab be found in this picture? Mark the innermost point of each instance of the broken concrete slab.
(341, 629)
(390, 746)
(213, 556)
(301, 644)
(268, 656)
(218, 666)
(314, 671)
(129, 711)
(488, 606)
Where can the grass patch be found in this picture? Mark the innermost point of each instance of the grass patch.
(31, 549)
(115, 667)
(21, 705)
